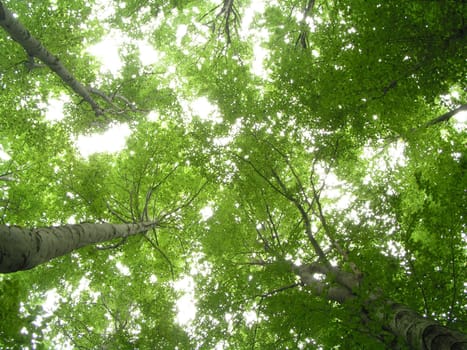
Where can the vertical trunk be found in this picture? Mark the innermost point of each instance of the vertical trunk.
(35, 49)
(25, 248)
(417, 331)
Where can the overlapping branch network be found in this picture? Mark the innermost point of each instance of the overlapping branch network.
(306, 199)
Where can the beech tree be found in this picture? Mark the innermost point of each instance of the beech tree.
(294, 169)
(23, 249)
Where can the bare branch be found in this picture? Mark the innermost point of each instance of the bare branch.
(306, 219)
(183, 205)
(278, 290)
(161, 252)
(302, 39)
(229, 18)
(155, 187)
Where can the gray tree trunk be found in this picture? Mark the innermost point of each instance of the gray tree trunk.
(417, 331)
(25, 248)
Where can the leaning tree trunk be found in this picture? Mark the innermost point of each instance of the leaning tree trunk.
(25, 248)
(420, 332)
(35, 49)
(417, 331)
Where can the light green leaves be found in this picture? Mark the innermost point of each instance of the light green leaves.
(330, 147)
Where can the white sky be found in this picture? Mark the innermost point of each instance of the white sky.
(3, 155)
(186, 306)
(112, 140)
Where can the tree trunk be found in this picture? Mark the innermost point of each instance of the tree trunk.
(35, 49)
(420, 332)
(417, 331)
(25, 248)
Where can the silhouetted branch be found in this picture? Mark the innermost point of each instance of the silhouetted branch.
(229, 18)
(183, 205)
(444, 117)
(302, 39)
(161, 252)
(150, 191)
(278, 290)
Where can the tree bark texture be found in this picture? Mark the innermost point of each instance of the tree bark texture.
(417, 331)
(422, 333)
(34, 48)
(25, 248)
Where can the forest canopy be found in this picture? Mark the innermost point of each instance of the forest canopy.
(290, 175)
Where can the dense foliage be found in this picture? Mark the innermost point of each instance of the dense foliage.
(265, 136)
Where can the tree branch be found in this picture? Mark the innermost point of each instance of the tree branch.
(444, 117)
(161, 252)
(183, 205)
(155, 187)
(278, 290)
(306, 220)
(230, 17)
(303, 36)
(34, 48)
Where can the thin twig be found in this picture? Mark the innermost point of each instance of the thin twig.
(278, 290)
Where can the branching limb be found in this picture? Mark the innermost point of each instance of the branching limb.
(327, 228)
(298, 181)
(161, 252)
(110, 100)
(31, 64)
(302, 39)
(282, 189)
(273, 228)
(270, 244)
(306, 219)
(229, 17)
(266, 244)
(150, 191)
(183, 205)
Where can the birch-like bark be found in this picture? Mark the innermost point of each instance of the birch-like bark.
(25, 248)
(34, 48)
(418, 332)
